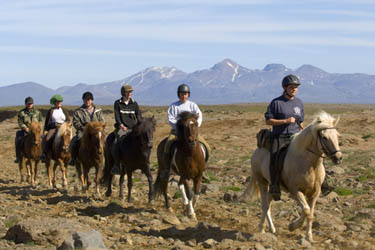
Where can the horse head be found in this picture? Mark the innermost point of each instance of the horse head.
(64, 136)
(35, 132)
(94, 136)
(327, 136)
(187, 129)
(144, 130)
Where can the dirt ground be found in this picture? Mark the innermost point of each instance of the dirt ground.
(345, 217)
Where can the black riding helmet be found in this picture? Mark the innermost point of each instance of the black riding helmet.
(289, 80)
(183, 88)
(87, 95)
(29, 100)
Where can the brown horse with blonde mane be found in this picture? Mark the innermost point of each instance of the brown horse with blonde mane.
(188, 161)
(91, 154)
(31, 151)
(59, 153)
(302, 174)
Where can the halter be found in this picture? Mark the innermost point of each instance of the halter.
(324, 146)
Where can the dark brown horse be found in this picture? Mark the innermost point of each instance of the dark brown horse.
(59, 152)
(31, 151)
(188, 162)
(135, 151)
(91, 154)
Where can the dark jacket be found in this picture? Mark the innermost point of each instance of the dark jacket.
(48, 124)
(127, 114)
(25, 117)
(81, 117)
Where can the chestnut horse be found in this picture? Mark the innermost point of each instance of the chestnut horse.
(91, 153)
(188, 161)
(302, 174)
(31, 151)
(135, 151)
(59, 153)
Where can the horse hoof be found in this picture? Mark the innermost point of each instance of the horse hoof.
(108, 194)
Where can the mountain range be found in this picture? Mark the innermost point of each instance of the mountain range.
(225, 83)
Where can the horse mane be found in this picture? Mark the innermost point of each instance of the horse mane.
(322, 120)
(145, 124)
(185, 115)
(61, 132)
(91, 128)
(34, 126)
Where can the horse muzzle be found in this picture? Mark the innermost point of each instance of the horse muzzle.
(336, 158)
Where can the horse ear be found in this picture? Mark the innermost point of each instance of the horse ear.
(337, 120)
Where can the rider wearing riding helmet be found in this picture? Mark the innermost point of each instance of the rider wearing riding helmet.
(127, 115)
(88, 112)
(286, 115)
(25, 117)
(175, 109)
(56, 116)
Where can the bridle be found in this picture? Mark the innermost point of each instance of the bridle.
(325, 147)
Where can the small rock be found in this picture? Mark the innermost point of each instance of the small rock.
(210, 243)
(171, 219)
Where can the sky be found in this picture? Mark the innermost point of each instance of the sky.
(65, 42)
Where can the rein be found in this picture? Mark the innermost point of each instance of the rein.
(324, 146)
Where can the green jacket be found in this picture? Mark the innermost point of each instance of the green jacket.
(26, 117)
(81, 117)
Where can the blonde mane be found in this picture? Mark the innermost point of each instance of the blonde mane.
(322, 120)
(61, 132)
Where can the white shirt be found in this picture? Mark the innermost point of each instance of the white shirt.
(178, 107)
(58, 116)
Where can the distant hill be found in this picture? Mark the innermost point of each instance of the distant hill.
(224, 83)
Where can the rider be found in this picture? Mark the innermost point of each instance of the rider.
(127, 115)
(175, 109)
(56, 116)
(25, 117)
(286, 115)
(88, 112)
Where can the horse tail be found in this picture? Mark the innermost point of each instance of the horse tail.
(160, 186)
(251, 192)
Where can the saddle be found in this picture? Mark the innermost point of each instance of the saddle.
(264, 139)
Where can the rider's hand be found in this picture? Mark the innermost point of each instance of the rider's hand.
(27, 130)
(123, 127)
(291, 120)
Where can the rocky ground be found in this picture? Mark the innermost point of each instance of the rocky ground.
(345, 214)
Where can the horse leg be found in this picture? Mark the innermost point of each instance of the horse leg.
(130, 185)
(63, 168)
(54, 173)
(97, 173)
(109, 185)
(312, 201)
(32, 173)
(21, 166)
(121, 194)
(191, 212)
(185, 200)
(80, 175)
(266, 200)
(48, 167)
(301, 200)
(28, 169)
(197, 188)
(86, 177)
(151, 193)
(35, 170)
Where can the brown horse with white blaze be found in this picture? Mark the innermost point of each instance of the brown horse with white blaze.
(31, 151)
(60, 154)
(91, 154)
(303, 171)
(188, 161)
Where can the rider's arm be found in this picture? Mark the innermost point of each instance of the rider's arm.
(172, 116)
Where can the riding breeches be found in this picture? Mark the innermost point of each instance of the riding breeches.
(20, 134)
(277, 143)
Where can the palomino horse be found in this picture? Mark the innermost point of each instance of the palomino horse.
(91, 153)
(59, 153)
(303, 171)
(135, 151)
(188, 161)
(31, 151)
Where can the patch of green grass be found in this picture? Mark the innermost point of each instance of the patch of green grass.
(232, 188)
(30, 243)
(368, 136)
(371, 205)
(212, 176)
(177, 195)
(11, 221)
(343, 191)
(115, 202)
(135, 179)
(6, 138)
